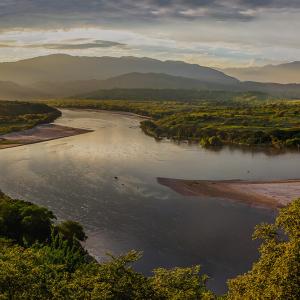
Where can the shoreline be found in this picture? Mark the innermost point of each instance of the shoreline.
(270, 194)
(38, 134)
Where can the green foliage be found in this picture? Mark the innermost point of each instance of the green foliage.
(276, 275)
(180, 284)
(30, 274)
(111, 280)
(71, 229)
(63, 252)
(16, 116)
(23, 275)
(213, 141)
(24, 222)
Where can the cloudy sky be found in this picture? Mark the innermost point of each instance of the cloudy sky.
(214, 33)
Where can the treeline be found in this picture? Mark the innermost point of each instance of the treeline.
(16, 116)
(43, 259)
(172, 95)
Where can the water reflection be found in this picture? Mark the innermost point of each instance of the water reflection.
(107, 180)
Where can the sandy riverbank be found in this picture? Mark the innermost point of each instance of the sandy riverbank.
(40, 133)
(276, 193)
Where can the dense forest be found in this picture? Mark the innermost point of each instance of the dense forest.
(243, 120)
(41, 258)
(16, 116)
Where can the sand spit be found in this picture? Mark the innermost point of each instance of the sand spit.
(276, 193)
(40, 133)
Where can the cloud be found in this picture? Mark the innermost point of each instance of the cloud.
(203, 31)
(45, 14)
(66, 46)
(79, 46)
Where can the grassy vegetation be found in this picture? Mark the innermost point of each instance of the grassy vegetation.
(16, 116)
(242, 121)
(40, 259)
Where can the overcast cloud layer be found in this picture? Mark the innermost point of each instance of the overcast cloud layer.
(208, 32)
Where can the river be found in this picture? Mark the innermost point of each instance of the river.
(106, 180)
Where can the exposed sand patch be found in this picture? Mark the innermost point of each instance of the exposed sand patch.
(40, 133)
(276, 193)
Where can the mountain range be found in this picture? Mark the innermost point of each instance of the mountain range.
(63, 75)
(62, 68)
(283, 73)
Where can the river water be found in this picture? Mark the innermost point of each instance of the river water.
(106, 180)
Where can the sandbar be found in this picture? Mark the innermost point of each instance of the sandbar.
(275, 193)
(38, 134)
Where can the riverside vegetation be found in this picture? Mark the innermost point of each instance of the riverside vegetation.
(43, 259)
(245, 119)
(16, 116)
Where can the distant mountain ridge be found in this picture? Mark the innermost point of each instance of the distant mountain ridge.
(127, 81)
(284, 73)
(62, 68)
(138, 81)
(68, 76)
(163, 81)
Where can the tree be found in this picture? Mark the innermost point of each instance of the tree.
(24, 222)
(71, 229)
(180, 284)
(276, 275)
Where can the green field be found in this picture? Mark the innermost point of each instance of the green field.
(240, 121)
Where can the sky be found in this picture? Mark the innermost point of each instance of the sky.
(220, 34)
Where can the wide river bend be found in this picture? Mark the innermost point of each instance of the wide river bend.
(106, 180)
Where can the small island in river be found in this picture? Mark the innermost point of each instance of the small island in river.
(276, 193)
(24, 123)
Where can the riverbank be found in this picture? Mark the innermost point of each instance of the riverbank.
(211, 123)
(40, 133)
(274, 194)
